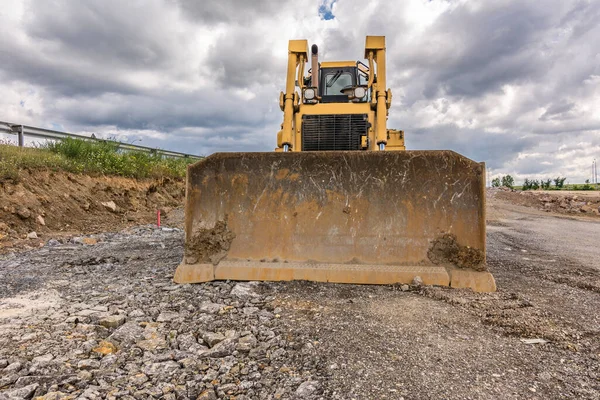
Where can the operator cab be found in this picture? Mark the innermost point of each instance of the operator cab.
(339, 82)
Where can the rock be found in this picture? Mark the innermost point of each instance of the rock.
(108, 361)
(32, 235)
(221, 349)
(210, 308)
(167, 316)
(23, 213)
(139, 379)
(307, 389)
(43, 359)
(105, 348)
(54, 396)
(112, 321)
(4, 227)
(110, 205)
(162, 368)
(3, 364)
(89, 241)
(154, 343)
(208, 394)
(40, 220)
(277, 354)
(417, 281)
(534, 341)
(53, 242)
(88, 364)
(8, 379)
(85, 376)
(25, 392)
(84, 240)
(127, 334)
(244, 289)
(246, 343)
(586, 209)
(136, 314)
(187, 341)
(14, 367)
(404, 288)
(212, 338)
(250, 310)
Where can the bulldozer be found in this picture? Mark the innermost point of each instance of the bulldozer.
(340, 199)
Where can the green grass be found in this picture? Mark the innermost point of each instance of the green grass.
(87, 157)
(571, 187)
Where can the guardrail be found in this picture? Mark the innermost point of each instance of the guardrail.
(23, 130)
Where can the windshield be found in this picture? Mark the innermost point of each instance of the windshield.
(335, 81)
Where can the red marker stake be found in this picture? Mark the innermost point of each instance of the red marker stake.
(158, 218)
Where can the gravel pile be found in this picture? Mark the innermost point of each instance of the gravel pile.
(104, 320)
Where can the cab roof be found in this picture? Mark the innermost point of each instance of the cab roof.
(334, 64)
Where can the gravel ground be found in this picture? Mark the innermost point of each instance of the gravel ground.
(105, 321)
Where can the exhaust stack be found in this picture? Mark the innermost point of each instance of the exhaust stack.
(315, 66)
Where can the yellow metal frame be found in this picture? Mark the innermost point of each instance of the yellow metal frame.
(377, 110)
(334, 64)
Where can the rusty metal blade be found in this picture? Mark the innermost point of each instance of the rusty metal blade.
(409, 208)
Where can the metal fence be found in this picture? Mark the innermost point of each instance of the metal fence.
(23, 130)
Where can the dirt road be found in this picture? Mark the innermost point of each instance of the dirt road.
(105, 321)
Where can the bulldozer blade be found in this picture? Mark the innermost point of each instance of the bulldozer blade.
(346, 217)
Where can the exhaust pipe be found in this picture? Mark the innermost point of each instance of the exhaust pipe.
(315, 67)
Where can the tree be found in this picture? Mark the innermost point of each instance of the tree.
(508, 181)
(526, 184)
(559, 182)
(496, 182)
(535, 184)
(546, 184)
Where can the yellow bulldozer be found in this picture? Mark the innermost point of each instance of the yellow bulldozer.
(340, 199)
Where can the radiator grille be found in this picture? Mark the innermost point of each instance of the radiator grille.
(333, 131)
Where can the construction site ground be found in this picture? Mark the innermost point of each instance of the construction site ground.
(101, 318)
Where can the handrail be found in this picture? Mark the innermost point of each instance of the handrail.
(24, 130)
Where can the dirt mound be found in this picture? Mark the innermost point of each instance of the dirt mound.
(41, 205)
(563, 202)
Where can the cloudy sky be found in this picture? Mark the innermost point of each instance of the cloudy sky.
(513, 83)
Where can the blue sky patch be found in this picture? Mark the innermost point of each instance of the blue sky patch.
(325, 10)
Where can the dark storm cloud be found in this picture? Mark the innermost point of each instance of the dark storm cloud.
(506, 82)
(478, 144)
(228, 11)
(240, 60)
(558, 111)
(87, 47)
(123, 33)
(472, 51)
(162, 111)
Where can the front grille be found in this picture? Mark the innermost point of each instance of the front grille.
(333, 131)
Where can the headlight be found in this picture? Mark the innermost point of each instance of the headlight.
(309, 94)
(359, 92)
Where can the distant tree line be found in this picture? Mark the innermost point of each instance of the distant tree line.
(585, 186)
(532, 184)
